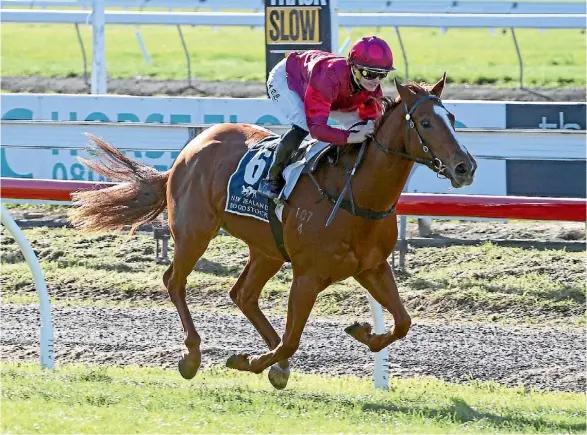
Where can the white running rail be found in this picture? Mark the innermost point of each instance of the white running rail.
(381, 369)
(47, 353)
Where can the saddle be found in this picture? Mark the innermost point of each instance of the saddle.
(326, 155)
(311, 155)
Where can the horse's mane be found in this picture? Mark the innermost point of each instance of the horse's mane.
(389, 103)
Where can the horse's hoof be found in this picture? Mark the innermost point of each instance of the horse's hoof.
(357, 327)
(237, 362)
(188, 367)
(278, 376)
(359, 331)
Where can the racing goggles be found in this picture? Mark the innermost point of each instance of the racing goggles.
(372, 74)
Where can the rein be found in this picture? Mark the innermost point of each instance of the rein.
(345, 204)
(433, 162)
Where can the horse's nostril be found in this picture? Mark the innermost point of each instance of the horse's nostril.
(461, 169)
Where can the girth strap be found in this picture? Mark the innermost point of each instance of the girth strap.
(277, 230)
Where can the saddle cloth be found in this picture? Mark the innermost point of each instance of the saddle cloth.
(242, 197)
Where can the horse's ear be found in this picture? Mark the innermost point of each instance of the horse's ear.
(405, 93)
(439, 86)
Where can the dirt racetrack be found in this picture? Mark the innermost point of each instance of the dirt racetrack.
(538, 356)
(198, 88)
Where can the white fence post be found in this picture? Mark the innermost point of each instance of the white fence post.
(47, 356)
(334, 25)
(98, 49)
(381, 372)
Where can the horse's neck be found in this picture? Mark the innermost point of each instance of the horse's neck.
(382, 177)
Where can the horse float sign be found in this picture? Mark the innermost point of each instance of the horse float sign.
(294, 25)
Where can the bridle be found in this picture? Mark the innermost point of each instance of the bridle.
(433, 162)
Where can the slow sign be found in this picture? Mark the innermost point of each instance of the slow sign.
(292, 26)
(296, 25)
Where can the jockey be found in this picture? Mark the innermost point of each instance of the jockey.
(311, 86)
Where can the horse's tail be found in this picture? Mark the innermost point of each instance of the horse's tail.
(139, 199)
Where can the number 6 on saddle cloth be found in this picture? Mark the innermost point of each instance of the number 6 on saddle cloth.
(242, 198)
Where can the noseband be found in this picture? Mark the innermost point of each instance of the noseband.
(433, 162)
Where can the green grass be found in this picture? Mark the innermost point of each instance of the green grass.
(484, 282)
(86, 399)
(554, 58)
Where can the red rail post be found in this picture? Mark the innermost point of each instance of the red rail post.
(49, 190)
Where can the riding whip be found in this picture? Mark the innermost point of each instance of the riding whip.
(348, 181)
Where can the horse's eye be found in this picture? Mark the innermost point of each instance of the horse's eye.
(425, 123)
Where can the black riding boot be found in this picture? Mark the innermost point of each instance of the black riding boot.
(290, 142)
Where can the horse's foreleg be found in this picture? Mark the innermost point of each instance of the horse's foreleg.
(245, 294)
(381, 284)
(302, 297)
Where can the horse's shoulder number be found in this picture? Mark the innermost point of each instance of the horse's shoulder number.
(303, 215)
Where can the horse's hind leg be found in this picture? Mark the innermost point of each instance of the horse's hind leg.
(191, 237)
(245, 294)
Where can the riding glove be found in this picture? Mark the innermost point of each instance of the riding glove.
(362, 132)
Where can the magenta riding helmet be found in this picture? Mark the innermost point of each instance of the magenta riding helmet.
(372, 53)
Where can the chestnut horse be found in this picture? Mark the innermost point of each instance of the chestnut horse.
(415, 127)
